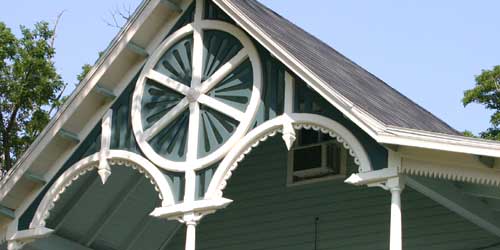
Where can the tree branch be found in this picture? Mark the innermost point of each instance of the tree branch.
(59, 16)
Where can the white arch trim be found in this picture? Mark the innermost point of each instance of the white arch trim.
(270, 128)
(87, 164)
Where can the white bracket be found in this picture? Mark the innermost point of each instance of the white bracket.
(289, 135)
(21, 238)
(200, 207)
(104, 170)
(372, 178)
(390, 180)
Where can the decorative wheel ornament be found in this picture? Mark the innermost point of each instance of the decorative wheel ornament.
(197, 95)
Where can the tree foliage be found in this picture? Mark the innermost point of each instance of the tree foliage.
(30, 88)
(487, 93)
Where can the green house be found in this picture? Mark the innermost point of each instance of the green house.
(217, 125)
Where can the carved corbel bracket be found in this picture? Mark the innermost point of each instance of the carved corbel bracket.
(104, 170)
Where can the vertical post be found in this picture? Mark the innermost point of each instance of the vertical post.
(191, 235)
(191, 220)
(396, 186)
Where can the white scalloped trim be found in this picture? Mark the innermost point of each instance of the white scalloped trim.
(249, 149)
(228, 175)
(270, 128)
(56, 198)
(475, 176)
(334, 135)
(94, 166)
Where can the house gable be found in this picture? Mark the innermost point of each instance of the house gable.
(271, 106)
(124, 101)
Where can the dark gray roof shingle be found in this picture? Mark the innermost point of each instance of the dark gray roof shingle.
(349, 79)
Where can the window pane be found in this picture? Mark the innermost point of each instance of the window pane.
(307, 158)
(308, 137)
(333, 156)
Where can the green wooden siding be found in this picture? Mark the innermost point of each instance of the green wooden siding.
(266, 214)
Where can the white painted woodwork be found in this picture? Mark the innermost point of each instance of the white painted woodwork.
(395, 186)
(167, 81)
(167, 119)
(222, 107)
(20, 238)
(223, 71)
(116, 157)
(289, 93)
(196, 94)
(30, 234)
(191, 235)
(289, 135)
(270, 128)
(104, 170)
(450, 171)
(373, 177)
(200, 207)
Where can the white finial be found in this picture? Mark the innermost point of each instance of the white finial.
(289, 135)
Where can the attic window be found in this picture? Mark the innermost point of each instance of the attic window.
(315, 156)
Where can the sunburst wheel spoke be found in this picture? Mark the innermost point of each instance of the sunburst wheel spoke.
(222, 107)
(223, 71)
(166, 120)
(168, 82)
(172, 140)
(235, 90)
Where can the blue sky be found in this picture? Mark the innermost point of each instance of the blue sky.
(428, 50)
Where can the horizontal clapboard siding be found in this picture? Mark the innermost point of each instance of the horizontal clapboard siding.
(266, 214)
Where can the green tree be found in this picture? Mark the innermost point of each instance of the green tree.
(30, 88)
(487, 93)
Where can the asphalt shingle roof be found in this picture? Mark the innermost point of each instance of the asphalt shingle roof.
(352, 81)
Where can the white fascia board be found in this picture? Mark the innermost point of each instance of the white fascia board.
(371, 125)
(438, 141)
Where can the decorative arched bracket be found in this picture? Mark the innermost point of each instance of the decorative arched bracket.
(282, 124)
(116, 158)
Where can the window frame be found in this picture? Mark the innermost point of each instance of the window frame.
(324, 158)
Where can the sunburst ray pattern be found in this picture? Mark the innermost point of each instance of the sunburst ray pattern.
(236, 89)
(219, 47)
(172, 140)
(215, 129)
(176, 62)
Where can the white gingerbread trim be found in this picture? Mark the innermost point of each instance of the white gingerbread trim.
(192, 161)
(116, 158)
(270, 128)
(484, 176)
